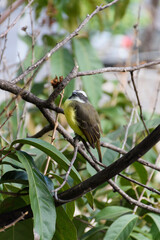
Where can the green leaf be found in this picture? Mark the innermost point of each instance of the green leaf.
(155, 218)
(139, 236)
(121, 228)
(134, 128)
(52, 152)
(111, 212)
(10, 164)
(38, 53)
(21, 230)
(88, 60)
(109, 157)
(93, 231)
(70, 206)
(11, 203)
(120, 9)
(154, 231)
(65, 229)
(80, 222)
(114, 114)
(143, 230)
(49, 184)
(61, 65)
(14, 177)
(42, 203)
(141, 171)
(90, 199)
(39, 158)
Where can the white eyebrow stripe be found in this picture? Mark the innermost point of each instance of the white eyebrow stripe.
(80, 91)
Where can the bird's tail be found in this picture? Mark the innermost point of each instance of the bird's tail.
(99, 150)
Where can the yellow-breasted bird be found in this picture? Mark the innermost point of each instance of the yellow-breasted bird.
(83, 119)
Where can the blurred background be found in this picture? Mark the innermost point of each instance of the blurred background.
(125, 34)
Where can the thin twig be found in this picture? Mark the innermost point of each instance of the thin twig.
(54, 131)
(129, 179)
(138, 100)
(15, 97)
(5, 42)
(27, 96)
(118, 69)
(16, 20)
(10, 9)
(8, 153)
(62, 43)
(90, 153)
(126, 135)
(115, 168)
(37, 135)
(9, 115)
(68, 172)
(19, 91)
(14, 222)
(15, 194)
(156, 100)
(140, 184)
(148, 181)
(133, 201)
(127, 129)
(62, 85)
(140, 160)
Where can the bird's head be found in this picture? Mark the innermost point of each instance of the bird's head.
(79, 95)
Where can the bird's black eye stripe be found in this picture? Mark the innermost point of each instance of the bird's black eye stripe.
(81, 96)
(73, 95)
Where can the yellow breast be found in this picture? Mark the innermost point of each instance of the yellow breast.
(70, 115)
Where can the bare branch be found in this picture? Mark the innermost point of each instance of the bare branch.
(37, 135)
(115, 168)
(62, 43)
(62, 85)
(16, 20)
(118, 69)
(14, 222)
(138, 100)
(140, 184)
(27, 96)
(99, 178)
(68, 172)
(54, 132)
(9, 10)
(156, 99)
(133, 201)
(140, 160)
(148, 181)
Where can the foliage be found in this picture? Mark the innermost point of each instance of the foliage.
(102, 214)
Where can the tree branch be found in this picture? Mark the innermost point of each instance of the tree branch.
(62, 85)
(118, 69)
(114, 169)
(27, 96)
(16, 20)
(138, 100)
(62, 43)
(9, 10)
(98, 179)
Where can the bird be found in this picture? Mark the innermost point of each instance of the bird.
(83, 119)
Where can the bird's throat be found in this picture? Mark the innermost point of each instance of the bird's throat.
(70, 114)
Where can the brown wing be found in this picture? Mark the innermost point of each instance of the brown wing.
(88, 120)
